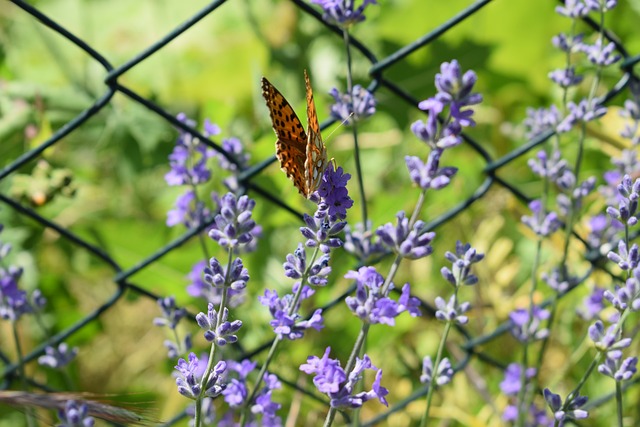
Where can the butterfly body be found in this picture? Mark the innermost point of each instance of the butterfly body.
(302, 155)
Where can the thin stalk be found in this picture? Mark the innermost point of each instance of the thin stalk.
(354, 129)
(434, 374)
(525, 353)
(278, 339)
(212, 351)
(23, 377)
(362, 337)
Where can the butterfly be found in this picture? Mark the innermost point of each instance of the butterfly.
(302, 156)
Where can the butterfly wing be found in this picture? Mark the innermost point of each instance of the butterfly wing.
(315, 153)
(291, 145)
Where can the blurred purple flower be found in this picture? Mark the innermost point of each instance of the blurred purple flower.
(362, 242)
(540, 120)
(573, 9)
(187, 211)
(512, 382)
(565, 77)
(342, 12)
(617, 368)
(542, 224)
(58, 357)
(352, 108)
(592, 304)
(75, 414)
(444, 373)
(525, 327)
(584, 111)
(569, 411)
(600, 55)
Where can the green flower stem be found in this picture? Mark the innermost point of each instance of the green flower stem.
(212, 351)
(434, 374)
(522, 393)
(23, 377)
(278, 340)
(363, 199)
(619, 403)
(360, 341)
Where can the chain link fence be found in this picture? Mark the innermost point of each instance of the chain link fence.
(378, 71)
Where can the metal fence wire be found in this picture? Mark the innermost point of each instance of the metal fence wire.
(378, 71)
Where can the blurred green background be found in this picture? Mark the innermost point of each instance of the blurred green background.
(119, 157)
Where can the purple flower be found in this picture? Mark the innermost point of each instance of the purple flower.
(559, 280)
(512, 382)
(429, 175)
(462, 260)
(296, 267)
(540, 120)
(171, 314)
(535, 417)
(627, 296)
(75, 414)
(451, 311)
(600, 55)
(360, 242)
(234, 226)
(58, 357)
(570, 410)
(333, 192)
(455, 89)
(187, 211)
(608, 340)
(628, 205)
(618, 369)
(287, 322)
(189, 376)
(565, 77)
(263, 409)
(222, 333)
(584, 111)
(542, 224)
(601, 5)
(411, 243)
(219, 277)
(525, 327)
(188, 160)
(233, 147)
(573, 9)
(592, 304)
(372, 304)
(444, 373)
(321, 230)
(352, 108)
(627, 259)
(604, 230)
(342, 12)
(333, 381)
(555, 168)
(566, 43)
(631, 111)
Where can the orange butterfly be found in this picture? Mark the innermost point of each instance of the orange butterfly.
(303, 157)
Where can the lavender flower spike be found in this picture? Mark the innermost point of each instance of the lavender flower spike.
(233, 225)
(75, 414)
(343, 12)
(353, 108)
(412, 244)
(572, 410)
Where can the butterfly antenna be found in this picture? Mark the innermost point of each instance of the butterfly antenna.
(339, 126)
